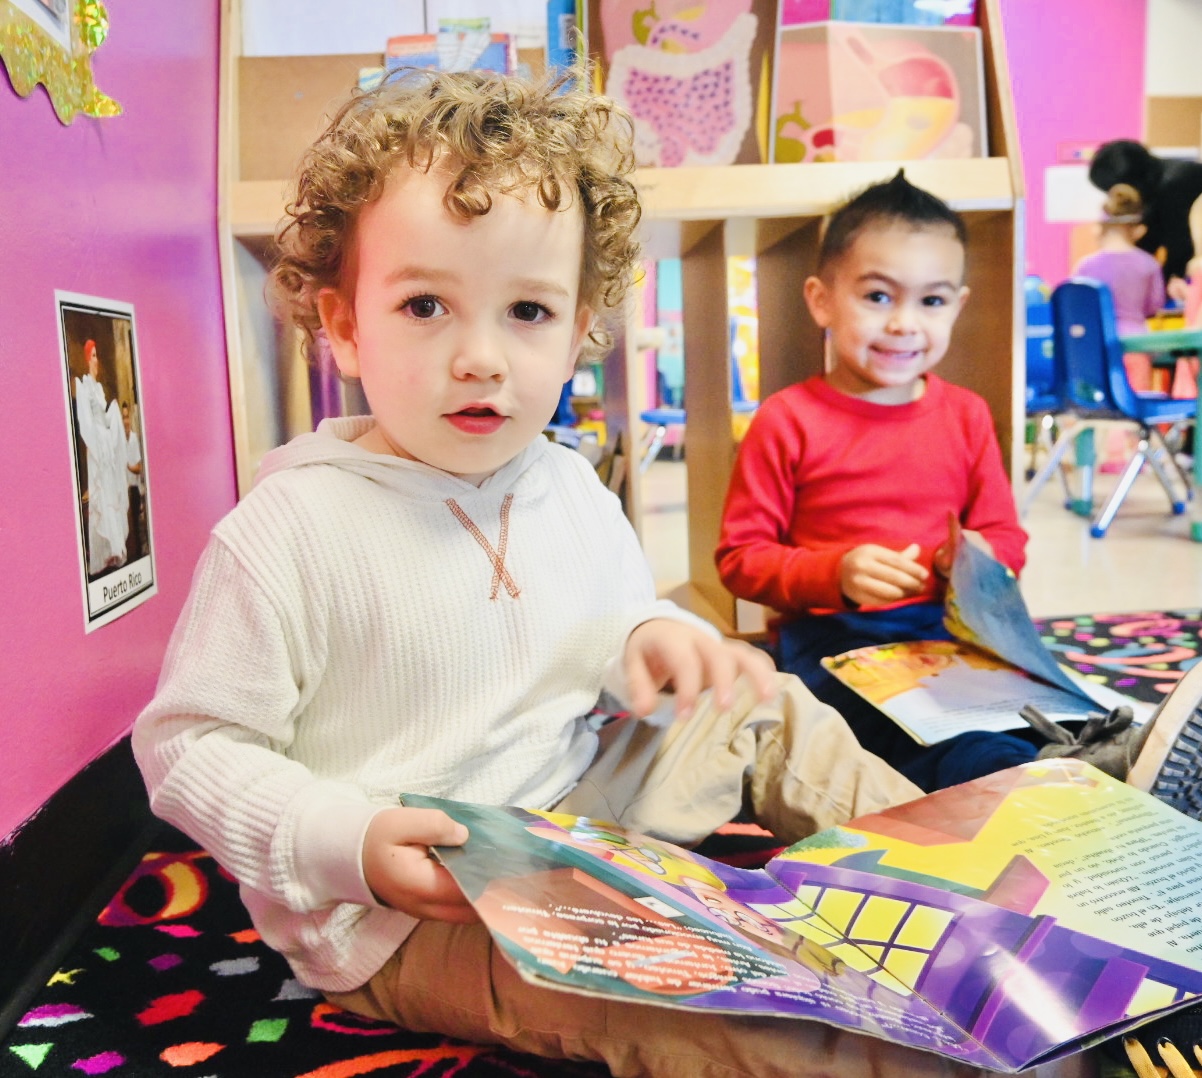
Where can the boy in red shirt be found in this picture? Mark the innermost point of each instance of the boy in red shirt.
(837, 515)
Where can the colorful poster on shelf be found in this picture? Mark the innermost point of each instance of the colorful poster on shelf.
(744, 338)
(912, 12)
(561, 33)
(695, 74)
(862, 92)
(459, 45)
(1005, 922)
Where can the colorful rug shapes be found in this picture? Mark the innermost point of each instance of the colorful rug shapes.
(173, 980)
(177, 931)
(1142, 654)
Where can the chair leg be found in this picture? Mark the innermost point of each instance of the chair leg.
(1155, 455)
(654, 445)
(1102, 521)
(1051, 465)
(1067, 487)
(1042, 439)
(1048, 438)
(1171, 441)
(1085, 452)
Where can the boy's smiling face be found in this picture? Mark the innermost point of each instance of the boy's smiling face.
(890, 302)
(461, 330)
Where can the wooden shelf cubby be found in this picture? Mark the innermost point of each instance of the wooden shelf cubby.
(702, 216)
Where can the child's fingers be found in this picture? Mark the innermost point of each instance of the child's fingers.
(398, 866)
(906, 562)
(690, 669)
(875, 592)
(424, 827)
(690, 661)
(906, 577)
(442, 900)
(456, 908)
(660, 654)
(407, 878)
(460, 915)
(757, 666)
(725, 661)
(724, 664)
(643, 687)
(428, 883)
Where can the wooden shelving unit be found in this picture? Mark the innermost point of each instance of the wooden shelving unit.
(701, 215)
(774, 212)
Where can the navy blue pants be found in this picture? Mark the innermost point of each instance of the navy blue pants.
(804, 642)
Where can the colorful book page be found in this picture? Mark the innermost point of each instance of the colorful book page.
(936, 689)
(582, 905)
(986, 608)
(1005, 922)
(1068, 897)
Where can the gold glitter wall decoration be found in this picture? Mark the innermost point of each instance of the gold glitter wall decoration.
(51, 42)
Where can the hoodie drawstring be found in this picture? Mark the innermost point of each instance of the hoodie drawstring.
(500, 575)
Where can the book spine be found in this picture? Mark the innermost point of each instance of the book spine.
(561, 33)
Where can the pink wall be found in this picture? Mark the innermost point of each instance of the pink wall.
(1077, 67)
(123, 209)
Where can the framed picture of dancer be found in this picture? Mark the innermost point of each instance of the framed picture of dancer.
(108, 455)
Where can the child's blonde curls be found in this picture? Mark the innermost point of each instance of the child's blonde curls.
(497, 134)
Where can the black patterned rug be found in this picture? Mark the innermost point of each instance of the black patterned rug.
(172, 980)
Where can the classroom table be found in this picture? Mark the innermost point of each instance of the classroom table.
(1187, 342)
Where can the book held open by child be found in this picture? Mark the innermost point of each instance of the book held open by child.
(1011, 920)
(935, 689)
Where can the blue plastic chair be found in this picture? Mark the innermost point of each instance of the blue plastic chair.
(662, 419)
(562, 427)
(1044, 393)
(1045, 399)
(1089, 357)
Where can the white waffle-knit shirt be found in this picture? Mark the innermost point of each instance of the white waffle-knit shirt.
(352, 635)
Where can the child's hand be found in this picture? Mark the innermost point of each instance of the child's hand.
(664, 652)
(872, 575)
(945, 555)
(400, 871)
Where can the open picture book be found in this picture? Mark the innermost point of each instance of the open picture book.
(1011, 920)
(935, 689)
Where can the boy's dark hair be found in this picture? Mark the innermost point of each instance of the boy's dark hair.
(895, 201)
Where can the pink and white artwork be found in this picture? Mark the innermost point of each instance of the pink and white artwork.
(866, 92)
(693, 73)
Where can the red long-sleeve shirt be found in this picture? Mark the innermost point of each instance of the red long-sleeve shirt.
(820, 473)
